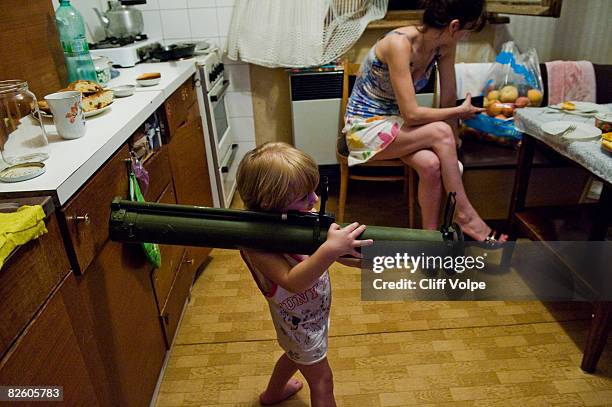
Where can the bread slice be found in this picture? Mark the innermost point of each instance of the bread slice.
(85, 87)
(149, 75)
(97, 100)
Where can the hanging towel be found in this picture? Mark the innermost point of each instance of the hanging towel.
(18, 228)
(471, 78)
(571, 80)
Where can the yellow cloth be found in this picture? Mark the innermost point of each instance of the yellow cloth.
(17, 228)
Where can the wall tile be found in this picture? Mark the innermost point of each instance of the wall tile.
(153, 24)
(200, 3)
(239, 77)
(239, 104)
(243, 128)
(225, 3)
(175, 24)
(224, 15)
(203, 22)
(172, 4)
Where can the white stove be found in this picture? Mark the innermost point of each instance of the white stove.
(125, 55)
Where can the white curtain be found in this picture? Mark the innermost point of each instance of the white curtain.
(298, 33)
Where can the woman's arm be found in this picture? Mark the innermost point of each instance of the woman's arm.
(396, 54)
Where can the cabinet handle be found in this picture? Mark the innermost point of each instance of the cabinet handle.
(78, 218)
(190, 261)
(196, 81)
(167, 318)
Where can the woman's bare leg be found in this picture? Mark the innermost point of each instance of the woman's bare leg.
(427, 165)
(439, 137)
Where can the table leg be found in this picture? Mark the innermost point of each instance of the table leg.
(519, 191)
(604, 215)
(598, 336)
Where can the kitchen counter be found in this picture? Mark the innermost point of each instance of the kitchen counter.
(173, 74)
(72, 162)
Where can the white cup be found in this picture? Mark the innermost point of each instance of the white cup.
(67, 113)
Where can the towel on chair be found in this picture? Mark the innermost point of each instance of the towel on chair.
(471, 78)
(571, 80)
(18, 228)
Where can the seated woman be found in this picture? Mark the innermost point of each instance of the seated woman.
(383, 120)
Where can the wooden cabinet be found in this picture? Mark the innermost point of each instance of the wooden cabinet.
(177, 105)
(173, 308)
(26, 280)
(85, 216)
(48, 353)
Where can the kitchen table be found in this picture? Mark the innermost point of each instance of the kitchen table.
(547, 223)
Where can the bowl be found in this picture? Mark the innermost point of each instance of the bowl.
(148, 82)
(603, 121)
(123, 90)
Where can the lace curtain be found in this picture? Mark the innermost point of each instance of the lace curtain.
(298, 33)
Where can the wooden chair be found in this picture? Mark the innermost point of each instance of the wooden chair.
(409, 176)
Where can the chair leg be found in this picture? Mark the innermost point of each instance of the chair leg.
(344, 172)
(410, 188)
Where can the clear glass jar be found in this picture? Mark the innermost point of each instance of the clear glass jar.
(22, 134)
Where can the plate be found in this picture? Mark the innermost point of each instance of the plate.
(97, 111)
(583, 108)
(583, 131)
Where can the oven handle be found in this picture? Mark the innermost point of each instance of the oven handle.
(230, 159)
(218, 95)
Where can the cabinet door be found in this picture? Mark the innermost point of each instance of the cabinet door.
(116, 289)
(171, 257)
(48, 353)
(544, 8)
(190, 169)
(177, 105)
(171, 314)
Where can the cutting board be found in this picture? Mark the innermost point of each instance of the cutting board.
(29, 46)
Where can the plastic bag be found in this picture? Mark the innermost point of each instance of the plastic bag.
(513, 82)
(151, 249)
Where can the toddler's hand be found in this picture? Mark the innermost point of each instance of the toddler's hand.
(341, 241)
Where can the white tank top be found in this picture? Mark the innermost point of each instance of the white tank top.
(301, 319)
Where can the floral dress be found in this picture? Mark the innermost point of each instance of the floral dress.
(372, 118)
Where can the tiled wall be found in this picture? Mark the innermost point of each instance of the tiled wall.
(209, 20)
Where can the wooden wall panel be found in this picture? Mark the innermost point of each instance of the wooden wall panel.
(30, 47)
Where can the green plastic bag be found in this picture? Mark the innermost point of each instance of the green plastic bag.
(151, 249)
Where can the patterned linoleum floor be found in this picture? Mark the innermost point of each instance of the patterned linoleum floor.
(385, 354)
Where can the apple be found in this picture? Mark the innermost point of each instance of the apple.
(535, 97)
(521, 102)
(508, 94)
(494, 108)
(493, 95)
(508, 110)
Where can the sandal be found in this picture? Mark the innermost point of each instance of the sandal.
(490, 242)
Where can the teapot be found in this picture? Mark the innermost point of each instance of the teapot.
(121, 21)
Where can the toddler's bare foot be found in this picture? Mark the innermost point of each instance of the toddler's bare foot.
(292, 387)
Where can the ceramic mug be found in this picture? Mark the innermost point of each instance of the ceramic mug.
(67, 113)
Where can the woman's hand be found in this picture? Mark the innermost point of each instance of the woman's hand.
(466, 110)
(342, 241)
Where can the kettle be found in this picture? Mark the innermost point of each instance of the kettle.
(121, 21)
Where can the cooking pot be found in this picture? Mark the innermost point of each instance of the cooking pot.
(173, 51)
(121, 21)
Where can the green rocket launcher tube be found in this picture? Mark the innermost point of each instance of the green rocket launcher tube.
(295, 232)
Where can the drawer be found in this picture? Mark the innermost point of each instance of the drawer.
(171, 256)
(172, 310)
(26, 280)
(158, 166)
(86, 215)
(178, 104)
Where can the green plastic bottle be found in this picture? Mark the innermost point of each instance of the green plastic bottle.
(71, 29)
